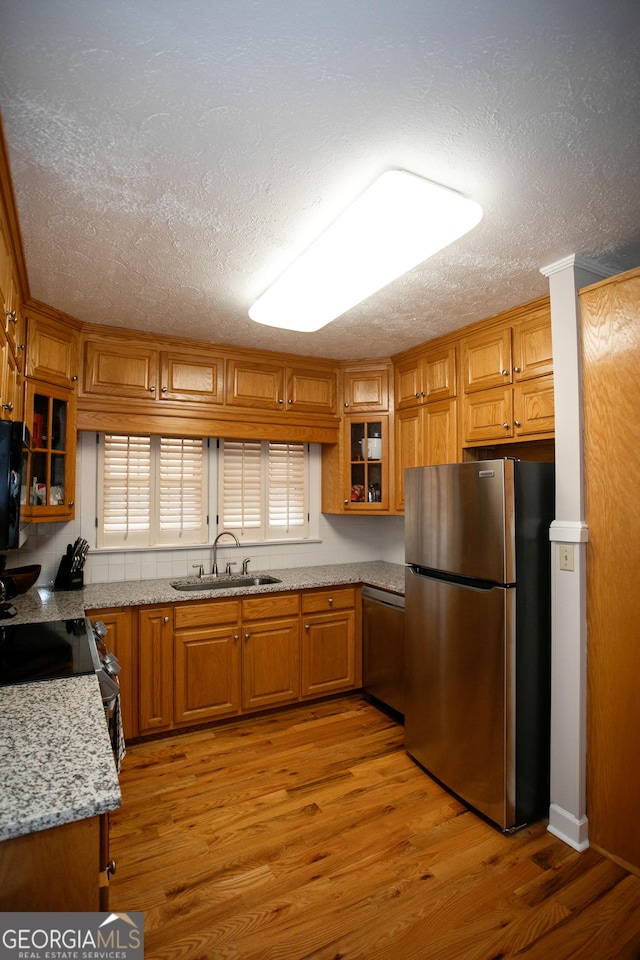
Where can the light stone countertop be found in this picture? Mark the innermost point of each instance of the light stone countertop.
(57, 764)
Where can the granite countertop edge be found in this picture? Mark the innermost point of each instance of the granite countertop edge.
(56, 754)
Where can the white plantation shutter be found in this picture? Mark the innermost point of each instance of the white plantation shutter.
(241, 486)
(125, 501)
(286, 488)
(263, 489)
(151, 490)
(182, 508)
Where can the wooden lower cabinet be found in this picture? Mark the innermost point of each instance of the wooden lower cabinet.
(270, 650)
(207, 654)
(330, 661)
(155, 669)
(63, 868)
(216, 659)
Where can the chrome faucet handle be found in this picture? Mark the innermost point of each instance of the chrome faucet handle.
(245, 564)
(228, 567)
(200, 568)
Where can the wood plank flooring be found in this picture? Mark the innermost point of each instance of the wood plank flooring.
(309, 833)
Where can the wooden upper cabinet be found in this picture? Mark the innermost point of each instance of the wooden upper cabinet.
(52, 350)
(426, 377)
(274, 386)
(196, 377)
(252, 384)
(312, 390)
(365, 389)
(486, 359)
(120, 368)
(532, 347)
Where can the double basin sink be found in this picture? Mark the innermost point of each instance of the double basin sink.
(222, 582)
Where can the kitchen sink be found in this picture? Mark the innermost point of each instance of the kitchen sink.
(221, 583)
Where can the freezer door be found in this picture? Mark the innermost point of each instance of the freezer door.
(459, 690)
(459, 517)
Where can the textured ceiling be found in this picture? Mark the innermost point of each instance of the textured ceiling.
(171, 157)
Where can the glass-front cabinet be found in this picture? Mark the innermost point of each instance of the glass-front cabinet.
(368, 470)
(51, 418)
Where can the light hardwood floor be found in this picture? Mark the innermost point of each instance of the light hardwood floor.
(309, 833)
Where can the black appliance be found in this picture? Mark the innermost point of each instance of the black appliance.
(14, 444)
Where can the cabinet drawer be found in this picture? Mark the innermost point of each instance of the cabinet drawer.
(340, 599)
(268, 608)
(202, 614)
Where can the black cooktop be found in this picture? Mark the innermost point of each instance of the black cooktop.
(45, 651)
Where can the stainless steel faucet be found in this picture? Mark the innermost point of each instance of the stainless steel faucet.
(223, 533)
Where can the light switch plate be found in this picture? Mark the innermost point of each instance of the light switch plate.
(566, 556)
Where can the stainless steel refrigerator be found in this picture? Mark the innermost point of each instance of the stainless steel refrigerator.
(477, 658)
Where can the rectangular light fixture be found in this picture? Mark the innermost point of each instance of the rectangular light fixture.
(399, 221)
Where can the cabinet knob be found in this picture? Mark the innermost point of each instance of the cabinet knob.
(307, 626)
(7, 406)
(11, 315)
(330, 600)
(73, 379)
(152, 389)
(516, 369)
(247, 635)
(71, 503)
(290, 400)
(164, 389)
(236, 636)
(166, 619)
(346, 403)
(21, 346)
(280, 400)
(505, 373)
(506, 426)
(517, 423)
(111, 867)
(346, 501)
(423, 394)
(417, 396)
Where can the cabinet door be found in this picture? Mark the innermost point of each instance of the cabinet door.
(367, 474)
(155, 664)
(119, 641)
(250, 384)
(407, 377)
(439, 433)
(366, 390)
(534, 407)
(408, 436)
(312, 391)
(270, 663)
(439, 374)
(207, 673)
(120, 369)
(197, 378)
(532, 347)
(488, 415)
(328, 653)
(487, 359)
(50, 413)
(52, 352)
(11, 392)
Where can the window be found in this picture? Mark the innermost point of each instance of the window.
(151, 491)
(263, 489)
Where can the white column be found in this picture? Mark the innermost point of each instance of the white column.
(569, 534)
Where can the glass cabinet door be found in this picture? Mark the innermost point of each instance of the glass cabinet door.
(51, 466)
(368, 465)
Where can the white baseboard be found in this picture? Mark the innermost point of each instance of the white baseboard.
(565, 826)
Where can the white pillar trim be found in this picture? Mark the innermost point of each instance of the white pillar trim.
(567, 811)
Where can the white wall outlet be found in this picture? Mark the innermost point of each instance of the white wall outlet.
(566, 556)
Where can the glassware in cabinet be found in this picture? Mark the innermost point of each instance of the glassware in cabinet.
(368, 465)
(51, 462)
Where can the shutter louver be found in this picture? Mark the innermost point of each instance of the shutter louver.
(286, 487)
(242, 486)
(126, 507)
(181, 507)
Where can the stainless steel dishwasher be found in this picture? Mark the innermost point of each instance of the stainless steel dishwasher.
(383, 647)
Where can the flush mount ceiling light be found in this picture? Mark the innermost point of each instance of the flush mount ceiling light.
(399, 221)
